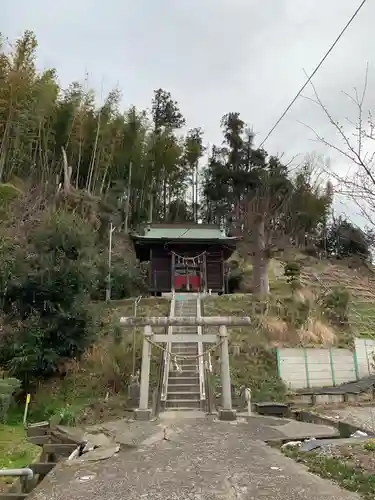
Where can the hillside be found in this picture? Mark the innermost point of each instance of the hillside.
(80, 393)
(289, 318)
(294, 319)
(283, 321)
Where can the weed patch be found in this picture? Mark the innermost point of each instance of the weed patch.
(15, 451)
(353, 468)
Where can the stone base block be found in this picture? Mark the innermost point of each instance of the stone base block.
(142, 414)
(227, 415)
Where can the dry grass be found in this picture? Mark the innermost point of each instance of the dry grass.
(105, 366)
(276, 330)
(109, 361)
(318, 333)
(305, 295)
(270, 328)
(111, 313)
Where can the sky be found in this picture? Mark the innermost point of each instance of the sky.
(214, 56)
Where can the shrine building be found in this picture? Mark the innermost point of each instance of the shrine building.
(184, 257)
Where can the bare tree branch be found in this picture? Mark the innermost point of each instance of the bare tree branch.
(357, 185)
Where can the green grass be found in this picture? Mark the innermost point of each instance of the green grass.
(256, 365)
(338, 470)
(15, 451)
(362, 318)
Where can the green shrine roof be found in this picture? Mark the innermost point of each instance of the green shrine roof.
(189, 232)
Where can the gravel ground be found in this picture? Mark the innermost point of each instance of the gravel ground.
(193, 460)
(363, 417)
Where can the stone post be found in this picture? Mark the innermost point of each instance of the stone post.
(226, 413)
(144, 412)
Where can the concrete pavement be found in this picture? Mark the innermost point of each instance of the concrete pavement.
(195, 459)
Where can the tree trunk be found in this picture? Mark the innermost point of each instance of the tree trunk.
(67, 172)
(164, 194)
(260, 259)
(151, 208)
(127, 210)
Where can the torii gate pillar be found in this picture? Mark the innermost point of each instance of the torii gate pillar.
(227, 412)
(144, 412)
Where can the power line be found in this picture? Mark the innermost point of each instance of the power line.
(315, 70)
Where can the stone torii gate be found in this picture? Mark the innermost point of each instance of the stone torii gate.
(221, 339)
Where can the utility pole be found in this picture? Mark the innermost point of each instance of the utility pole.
(196, 191)
(108, 289)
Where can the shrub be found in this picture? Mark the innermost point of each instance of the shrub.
(257, 369)
(295, 312)
(8, 194)
(311, 251)
(234, 281)
(8, 387)
(292, 272)
(126, 281)
(44, 297)
(42, 344)
(335, 305)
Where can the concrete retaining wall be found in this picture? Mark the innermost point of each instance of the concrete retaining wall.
(365, 351)
(308, 367)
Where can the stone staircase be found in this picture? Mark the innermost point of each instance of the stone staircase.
(183, 380)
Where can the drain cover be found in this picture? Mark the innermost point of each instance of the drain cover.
(272, 409)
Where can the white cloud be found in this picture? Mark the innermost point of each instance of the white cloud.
(214, 56)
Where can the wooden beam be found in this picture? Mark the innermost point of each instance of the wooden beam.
(42, 467)
(62, 436)
(39, 440)
(13, 496)
(63, 450)
(38, 429)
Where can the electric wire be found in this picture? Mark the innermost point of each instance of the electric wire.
(315, 71)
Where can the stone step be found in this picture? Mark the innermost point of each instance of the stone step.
(188, 367)
(193, 362)
(191, 396)
(180, 345)
(184, 349)
(189, 353)
(182, 388)
(182, 408)
(178, 330)
(185, 344)
(184, 373)
(187, 362)
(182, 403)
(181, 360)
(182, 379)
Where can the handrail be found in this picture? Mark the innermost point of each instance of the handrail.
(17, 473)
(164, 387)
(202, 388)
(136, 302)
(210, 390)
(156, 396)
